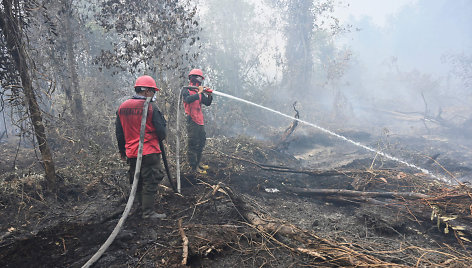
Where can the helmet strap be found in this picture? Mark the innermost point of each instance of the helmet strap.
(144, 89)
(196, 80)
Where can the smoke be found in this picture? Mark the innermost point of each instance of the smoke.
(401, 66)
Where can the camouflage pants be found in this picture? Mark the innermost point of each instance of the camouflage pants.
(151, 174)
(195, 143)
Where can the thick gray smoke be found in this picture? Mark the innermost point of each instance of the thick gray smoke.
(408, 75)
(413, 66)
(394, 75)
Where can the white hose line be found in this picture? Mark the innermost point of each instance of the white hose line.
(425, 171)
(137, 173)
(177, 144)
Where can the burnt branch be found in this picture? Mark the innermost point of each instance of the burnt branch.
(284, 142)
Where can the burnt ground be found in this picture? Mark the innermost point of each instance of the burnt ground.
(257, 207)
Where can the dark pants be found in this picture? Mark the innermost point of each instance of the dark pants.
(151, 174)
(196, 142)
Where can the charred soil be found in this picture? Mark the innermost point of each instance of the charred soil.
(313, 205)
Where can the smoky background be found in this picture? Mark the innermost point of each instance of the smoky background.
(406, 77)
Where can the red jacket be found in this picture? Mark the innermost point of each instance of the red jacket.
(193, 103)
(128, 124)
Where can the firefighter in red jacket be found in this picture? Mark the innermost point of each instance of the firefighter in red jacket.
(128, 123)
(193, 97)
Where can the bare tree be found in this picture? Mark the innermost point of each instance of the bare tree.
(72, 81)
(11, 25)
(299, 51)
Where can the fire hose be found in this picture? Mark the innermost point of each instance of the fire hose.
(166, 166)
(137, 173)
(205, 89)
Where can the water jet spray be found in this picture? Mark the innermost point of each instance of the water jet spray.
(425, 171)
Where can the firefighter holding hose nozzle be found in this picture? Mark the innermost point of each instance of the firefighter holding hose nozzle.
(128, 123)
(193, 97)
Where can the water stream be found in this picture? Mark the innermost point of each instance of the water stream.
(425, 171)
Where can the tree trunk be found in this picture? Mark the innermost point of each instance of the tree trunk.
(72, 84)
(299, 33)
(13, 36)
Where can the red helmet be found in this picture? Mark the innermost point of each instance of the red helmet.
(146, 81)
(196, 72)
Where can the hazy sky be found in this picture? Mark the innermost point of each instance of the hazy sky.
(417, 32)
(377, 10)
(391, 39)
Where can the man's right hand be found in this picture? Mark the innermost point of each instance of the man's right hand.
(200, 89)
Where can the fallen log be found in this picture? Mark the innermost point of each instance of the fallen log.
(325, 250)
(346, 192)
(457, 222)
(306, 242)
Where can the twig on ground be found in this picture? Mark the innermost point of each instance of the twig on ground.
(184, 243)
